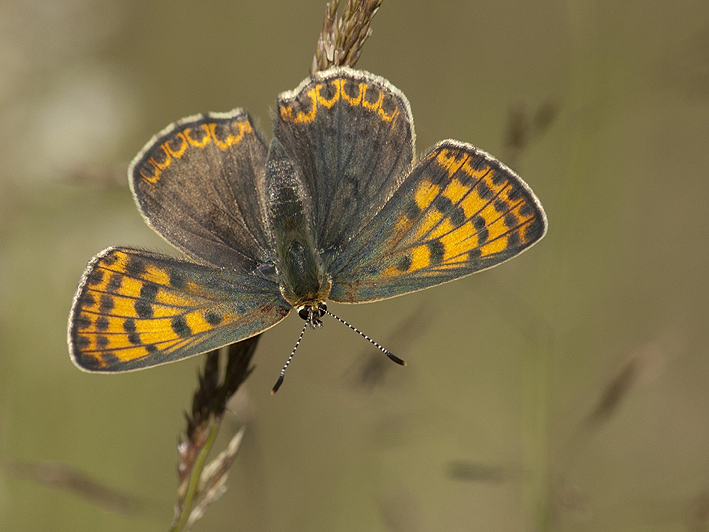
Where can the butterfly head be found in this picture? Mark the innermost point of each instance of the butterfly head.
(312, 313)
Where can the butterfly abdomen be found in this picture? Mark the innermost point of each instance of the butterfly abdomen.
(301, 274)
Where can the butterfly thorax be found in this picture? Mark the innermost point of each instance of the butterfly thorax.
(301, 273)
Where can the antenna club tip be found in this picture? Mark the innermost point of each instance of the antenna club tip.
(277, 385)
(394, 358)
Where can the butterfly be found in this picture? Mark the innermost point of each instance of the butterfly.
(336, 207)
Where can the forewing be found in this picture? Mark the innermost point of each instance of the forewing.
(351, 135)
(199, 184)
(134, 309)
(458, 212)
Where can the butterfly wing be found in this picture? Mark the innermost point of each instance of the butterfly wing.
(351, 135)
(200, 184)
(135, 309)
(459, 211)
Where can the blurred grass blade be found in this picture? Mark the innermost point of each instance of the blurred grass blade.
(66, 478)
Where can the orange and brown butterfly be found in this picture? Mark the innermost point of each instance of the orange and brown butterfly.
(334, 208)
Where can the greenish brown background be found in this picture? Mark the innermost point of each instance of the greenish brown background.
(507, 417)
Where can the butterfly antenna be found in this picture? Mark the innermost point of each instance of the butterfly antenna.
(285, 366)
(380, 347)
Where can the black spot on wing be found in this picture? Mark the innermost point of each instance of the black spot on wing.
(110, 259)
(95, 277)
(498, 177)
(481, 227)
(109, 359)
(144, 309)
(107, 304)
(87, 361)
(404, 263)
(457, 215)
(180, 327)
(135, 267)
(511, 220)
(213, 317)
(534, 230)
(445, 206)
(442, 204)
(436, 251)
(177, 280)
(515, 194)
(483, 190)
(513, 240)
(148, 291)
(526, 210)
(82, 342)
(129, 327)
(134, 338)
(412, 210)
(114, 283)
(82, 322)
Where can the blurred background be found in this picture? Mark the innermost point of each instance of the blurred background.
(564, 390)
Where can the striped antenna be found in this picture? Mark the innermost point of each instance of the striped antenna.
(285, 366)
(312, 318)
(378, 346)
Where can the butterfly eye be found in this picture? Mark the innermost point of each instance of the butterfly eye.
(304, 312)
(322, 310)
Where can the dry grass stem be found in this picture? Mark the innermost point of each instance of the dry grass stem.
(201, 481)
(342, 38)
